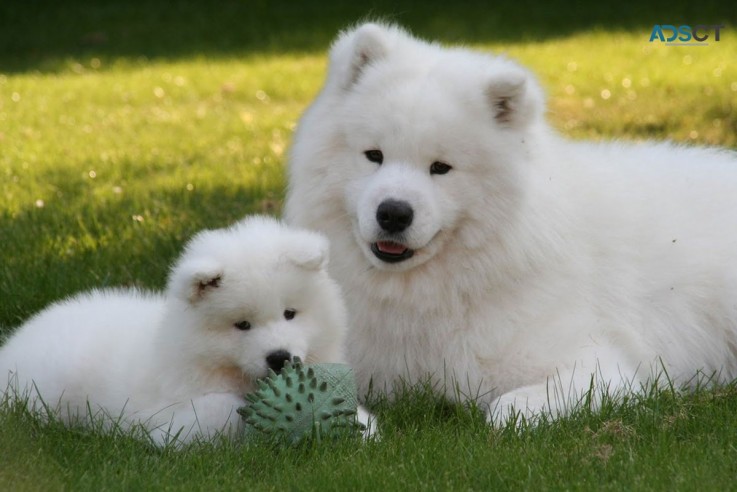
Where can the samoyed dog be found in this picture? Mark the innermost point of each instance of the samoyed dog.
(479, 249)
(239, 301)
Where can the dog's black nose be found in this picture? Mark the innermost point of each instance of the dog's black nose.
(276, 360)
(394, 215)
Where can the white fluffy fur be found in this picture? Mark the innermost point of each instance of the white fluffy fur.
(175, 363)
(538, 261)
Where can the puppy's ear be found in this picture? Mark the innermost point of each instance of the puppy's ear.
(513, 94)
(195, 279)
(311, 252)
(203, 282)
(354, 50)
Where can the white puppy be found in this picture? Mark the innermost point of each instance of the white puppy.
(239, 301)
(477, 247)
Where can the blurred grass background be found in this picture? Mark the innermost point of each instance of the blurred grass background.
(39, 33)
(127, 126)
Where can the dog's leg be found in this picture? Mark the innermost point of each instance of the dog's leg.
(369, 421)
(561, 393)
(206, 417)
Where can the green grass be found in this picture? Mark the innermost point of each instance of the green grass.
(125, 128)
(661, 442)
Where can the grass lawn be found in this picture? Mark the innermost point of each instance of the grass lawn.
(127, 126)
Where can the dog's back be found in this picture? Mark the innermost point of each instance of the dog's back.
(93, 344)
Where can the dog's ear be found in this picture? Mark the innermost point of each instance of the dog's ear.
(195, 279)
(354, 50)
(310, 252)
(514, 96)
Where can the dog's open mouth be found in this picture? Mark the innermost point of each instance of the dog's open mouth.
(391, 252)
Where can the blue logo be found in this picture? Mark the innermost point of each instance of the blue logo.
(685, 35)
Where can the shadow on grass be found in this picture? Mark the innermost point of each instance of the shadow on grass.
(42, 34)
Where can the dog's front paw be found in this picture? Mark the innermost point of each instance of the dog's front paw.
(522, 406)
(371, 427)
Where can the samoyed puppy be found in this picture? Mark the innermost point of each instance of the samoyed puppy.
(478, 248)
(239, 301)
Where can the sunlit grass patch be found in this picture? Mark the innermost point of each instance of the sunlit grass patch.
(619, 85)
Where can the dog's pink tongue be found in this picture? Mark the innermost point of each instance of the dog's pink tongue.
(391, 247)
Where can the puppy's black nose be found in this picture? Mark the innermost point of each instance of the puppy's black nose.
(276, 360)
(394, 215)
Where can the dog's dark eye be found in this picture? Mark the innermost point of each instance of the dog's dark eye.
(374, 155)
(243, 325)
(438, 167)
(289, 314)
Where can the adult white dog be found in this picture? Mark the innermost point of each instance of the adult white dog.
(240, 301)
(476, 246)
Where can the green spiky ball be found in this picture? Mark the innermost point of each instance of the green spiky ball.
(303, 401)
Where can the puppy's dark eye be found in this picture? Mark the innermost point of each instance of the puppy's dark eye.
(438, 167)
(243, 325)
(289, 314)
(374, 155)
